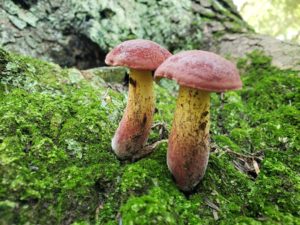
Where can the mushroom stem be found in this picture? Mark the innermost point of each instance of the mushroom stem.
(134, 128)
(188, 149)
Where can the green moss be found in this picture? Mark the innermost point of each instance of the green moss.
(57, 166)
(49, 162)
(224, 141)
(160, 207)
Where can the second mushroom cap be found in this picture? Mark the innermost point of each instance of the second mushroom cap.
(201, 70)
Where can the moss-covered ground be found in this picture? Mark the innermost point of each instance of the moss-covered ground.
(57, 167)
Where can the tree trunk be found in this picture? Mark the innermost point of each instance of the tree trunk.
(284, 55)
(79, 33)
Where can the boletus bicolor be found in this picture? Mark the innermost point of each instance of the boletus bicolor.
(198, 73)
(142, 57)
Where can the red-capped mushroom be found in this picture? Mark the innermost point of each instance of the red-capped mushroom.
(198, 73)
(142, 57)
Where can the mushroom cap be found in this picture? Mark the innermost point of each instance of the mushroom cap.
(137, 54)
(201, 70)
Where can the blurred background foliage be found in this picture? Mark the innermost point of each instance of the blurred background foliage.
(278, 18)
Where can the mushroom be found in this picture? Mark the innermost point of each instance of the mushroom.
(142, 57)
(198, 73)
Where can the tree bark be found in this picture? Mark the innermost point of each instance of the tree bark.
(80, 33)
(284, 55)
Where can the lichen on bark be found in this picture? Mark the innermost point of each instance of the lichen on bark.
(79, 33)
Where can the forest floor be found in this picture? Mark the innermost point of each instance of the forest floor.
(57, 166)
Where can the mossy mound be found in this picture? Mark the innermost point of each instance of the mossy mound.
(56, 164)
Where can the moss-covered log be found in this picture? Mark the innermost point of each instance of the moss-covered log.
(57, 167)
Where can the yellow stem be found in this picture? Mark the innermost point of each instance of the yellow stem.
(188, 149)
(140, 95)
(134, 128)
